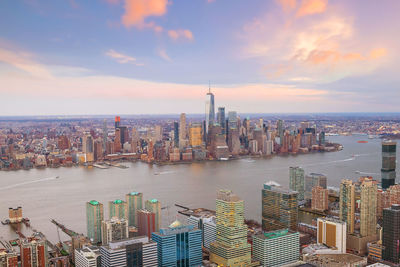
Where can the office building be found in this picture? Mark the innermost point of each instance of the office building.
(232, 120)
(221, 119)
(347, 204)
(296, 181)
(117, 121)
(154, 206)
(15, 215)
(33, 252)
(88, 256)
(369, 190)
(118, 208)
(195, 136)
(207, 224)
(94, 217)
(179, 245)
(391, 233)
(137, 252)
(182, 131)
(312, 180)
(388, 170)
(320, 199)
(230, 247)
(114, 230)
(146, 222)
(332, 233)
(135, 203)
(276, 248)
(279, 208)
(176, 134)
(210, 110)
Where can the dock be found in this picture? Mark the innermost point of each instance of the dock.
(100, 166)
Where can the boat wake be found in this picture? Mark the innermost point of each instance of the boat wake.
(28, 182)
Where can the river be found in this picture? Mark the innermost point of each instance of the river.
(44, 197)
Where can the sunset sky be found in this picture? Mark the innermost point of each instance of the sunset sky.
(71, 57)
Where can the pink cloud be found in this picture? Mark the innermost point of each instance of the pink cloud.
(180, 34)
(136, 11)
(288, 5)
(311, 7)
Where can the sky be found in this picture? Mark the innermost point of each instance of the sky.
(78, 57)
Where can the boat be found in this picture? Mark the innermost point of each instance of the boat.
(362, 141)
(57, 177)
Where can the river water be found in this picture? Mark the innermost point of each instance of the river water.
(44, 197)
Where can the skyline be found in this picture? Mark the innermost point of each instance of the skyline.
(156, 57)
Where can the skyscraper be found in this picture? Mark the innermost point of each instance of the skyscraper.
(296, 181)
(114, 230)
(146, 222)
(94, 217)
(279, 208)
(319, 199)
(391, 233)
(347, 204)
(176, 134)
(118, 208)
(388, 170)
(369, 190)
(182, 130)
(154, 205)
(179, 245)
(231, 247)
(210, 109)
(332, 233)
(195, 138)
(33, 252)
(221, 118)
(135, 203)
(105, 135)
(311, 180)
(117, 121)
(232, 120)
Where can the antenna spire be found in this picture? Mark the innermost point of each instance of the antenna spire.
(209, 86)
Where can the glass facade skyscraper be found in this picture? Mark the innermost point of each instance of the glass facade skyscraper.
(388, 170)
(118, 208)
(391, 233)
(210, 110)
(296, 181)
(135, 203)
(231, 247)
(179, 245)
(279, 208)
(94, 217)
(347, 204)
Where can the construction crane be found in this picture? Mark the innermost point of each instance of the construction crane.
(67, 231)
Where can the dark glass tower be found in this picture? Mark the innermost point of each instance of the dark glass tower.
(391, 233)
(388, 170)
(176, 133)
(221, 118)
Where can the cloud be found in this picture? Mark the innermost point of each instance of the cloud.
(311, 7)
(180, 34)
(287, 5)
(163, 54)
(136, 11)
(120, 58)
(23, 61)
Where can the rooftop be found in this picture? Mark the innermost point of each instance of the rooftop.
(274, 234)
(118, 201)
(94, 202)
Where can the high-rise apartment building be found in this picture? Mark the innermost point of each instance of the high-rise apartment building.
(320, 199)
(231, 247)
(135, 203)
(195, 136)
(154, 206)
(210, 110)
(279, 208)
(388, 170)
(94, 217)
(296, 181)
(8, 258)
(146, 222)
(332, 233)
(207, 224)
(347, 204)
(182, 131)
(118, 208)
(312, 180)
(114, 230)
(137, 251)
(369, 190)
(179, 245)
(221, 118)
(33, 252)
(391, 233)
(276, 248)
